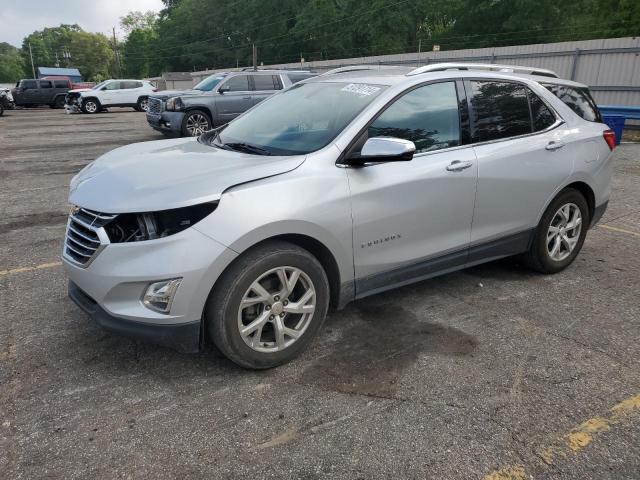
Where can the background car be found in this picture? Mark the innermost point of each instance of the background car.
(216, 100)
(110, 93)
(31, 92)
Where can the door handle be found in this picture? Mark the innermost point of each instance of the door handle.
(551, 146)
(458, 166)
(246, 98)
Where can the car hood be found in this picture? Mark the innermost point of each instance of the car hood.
(165, 94)
(166, 174)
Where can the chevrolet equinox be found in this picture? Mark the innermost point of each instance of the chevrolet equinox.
(339, 187)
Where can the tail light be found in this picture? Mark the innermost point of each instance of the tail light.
(610, 138)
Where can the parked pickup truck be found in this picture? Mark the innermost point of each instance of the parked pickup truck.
(31, 92)
(216, 100)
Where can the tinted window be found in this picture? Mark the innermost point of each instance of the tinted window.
(60, 83)
(541, 115)
(277, 82)
(237, 84)
(428, 116)
(499, 110)
(29, 84)
(298, 77)
(113, 86)
(129, 84)
(263, 82)
(577, 99)
(45, 84)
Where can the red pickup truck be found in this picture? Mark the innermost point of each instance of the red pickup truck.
(71, 85)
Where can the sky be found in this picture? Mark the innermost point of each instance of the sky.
(19, 18)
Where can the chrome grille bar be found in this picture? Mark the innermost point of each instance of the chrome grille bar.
(85, 236)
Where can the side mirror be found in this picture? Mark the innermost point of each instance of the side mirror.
(223, 89)
(384, 149)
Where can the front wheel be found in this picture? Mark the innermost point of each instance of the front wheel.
(268, 306)
(560, 234)
(195, 123)
(90, 106)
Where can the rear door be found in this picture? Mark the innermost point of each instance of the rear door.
(264, 86)
(131, 90)
(236, 98)
(45, 92)
(523, 157)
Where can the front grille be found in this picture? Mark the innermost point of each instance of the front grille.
(85, 235)
(155, 106)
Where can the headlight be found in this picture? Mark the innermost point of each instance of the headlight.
(137, 227)
(175, 104)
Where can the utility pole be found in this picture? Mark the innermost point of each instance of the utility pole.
(115, 49)
(33, 69)
(255, 56)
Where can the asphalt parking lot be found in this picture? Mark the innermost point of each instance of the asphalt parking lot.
(494, 372)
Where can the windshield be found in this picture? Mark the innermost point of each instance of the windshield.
(208, 83)
(300, 120)
(98, 86)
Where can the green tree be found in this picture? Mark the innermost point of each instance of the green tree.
(11, 64)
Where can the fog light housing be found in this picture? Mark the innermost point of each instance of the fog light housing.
(159, 295)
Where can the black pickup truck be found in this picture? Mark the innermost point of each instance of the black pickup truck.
(31, 92)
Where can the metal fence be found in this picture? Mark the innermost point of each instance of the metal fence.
(610, 66)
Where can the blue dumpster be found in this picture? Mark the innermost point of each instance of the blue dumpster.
(615, 123)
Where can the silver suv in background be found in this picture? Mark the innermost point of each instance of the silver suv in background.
(216, 100)
(342, 186)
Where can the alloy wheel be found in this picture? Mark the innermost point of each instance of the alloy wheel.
(276, 309)
(197, 124)
(91, 107)
(564, 232)
(144, 104)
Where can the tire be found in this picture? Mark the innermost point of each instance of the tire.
(195, 123)
(552, 233)
(142, 105)
(91, 105)
(224, 318)
(1, 109)
(58, 102)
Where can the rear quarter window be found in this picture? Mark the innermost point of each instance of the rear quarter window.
(577, 99)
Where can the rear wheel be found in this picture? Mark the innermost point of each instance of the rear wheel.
(142, 105)
(560, 234)
(1, 109)
(59, 102)
(268, 306)
(195, 123)
(91, 105)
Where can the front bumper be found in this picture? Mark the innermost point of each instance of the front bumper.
(166, 122)
(114, 283)
(183, 337)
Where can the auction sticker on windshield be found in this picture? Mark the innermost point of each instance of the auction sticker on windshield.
(361, 89)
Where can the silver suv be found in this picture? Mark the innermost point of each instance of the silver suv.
(339, 187)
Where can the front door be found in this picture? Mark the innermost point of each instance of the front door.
(413, 219)
(235, 97)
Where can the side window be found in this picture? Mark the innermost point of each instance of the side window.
(541, 116)
(237, 84)
(138, 85)
(45, 83)
(428, 116)
(277, 82)
(263, 82)
(60, 83)
(113, 86)
(577, 99)
(499, 110)
(29, 84)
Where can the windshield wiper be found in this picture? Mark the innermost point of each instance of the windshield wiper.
(246, 147)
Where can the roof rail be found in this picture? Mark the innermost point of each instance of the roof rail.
(356, 68)
(439, 67)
